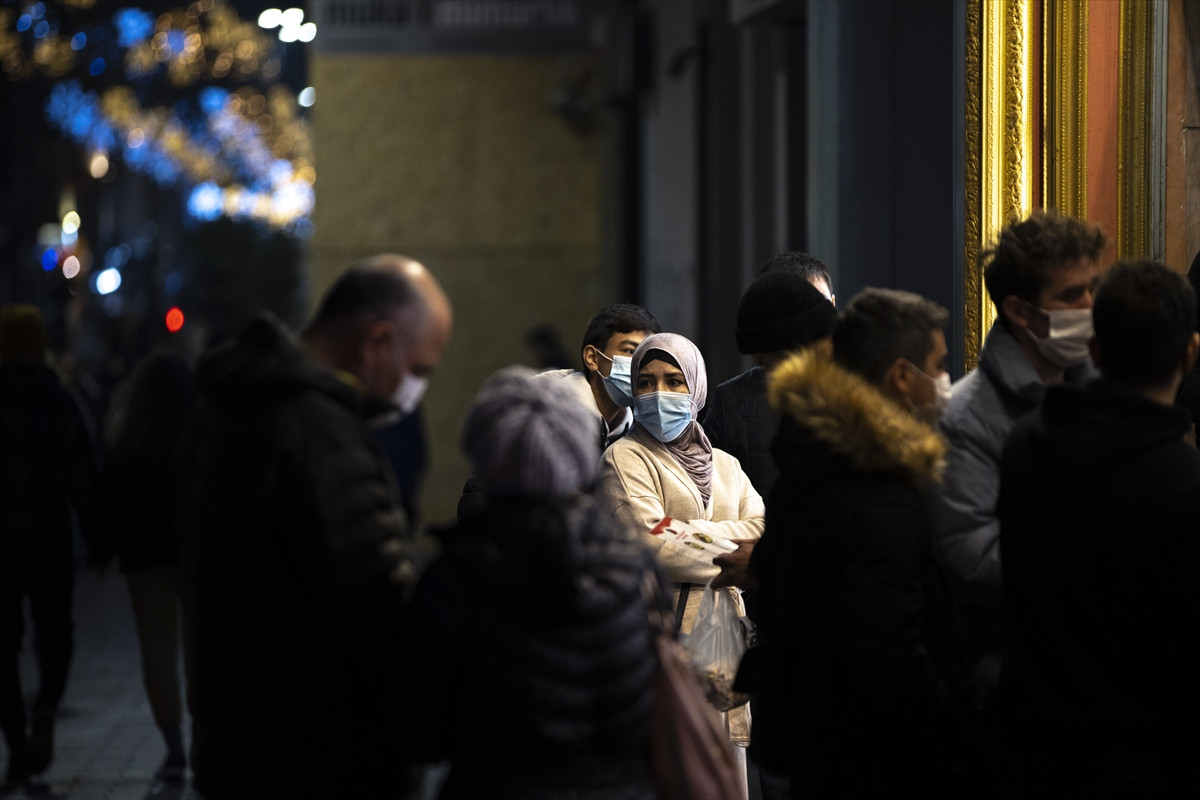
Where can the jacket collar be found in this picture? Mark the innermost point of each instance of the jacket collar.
(1002, 360)
(854, 419)
(268, 360)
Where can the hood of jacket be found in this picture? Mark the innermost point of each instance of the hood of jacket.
(1085, 430)
(268, 361)
(854, 420)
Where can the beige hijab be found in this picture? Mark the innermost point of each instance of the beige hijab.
(691, 448)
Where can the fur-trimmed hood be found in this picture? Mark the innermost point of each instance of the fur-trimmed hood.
(854, 419)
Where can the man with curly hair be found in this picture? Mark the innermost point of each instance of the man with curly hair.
(1040, 274)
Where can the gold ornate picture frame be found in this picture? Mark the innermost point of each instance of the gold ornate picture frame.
(1029, 98)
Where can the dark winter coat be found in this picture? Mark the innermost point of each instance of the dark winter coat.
(1100, 512)
(532, 660)
(857, 685)
(136, 510)
(740, 421)
(295, 552)
(47, 464)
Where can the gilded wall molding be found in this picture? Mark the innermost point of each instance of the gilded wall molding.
(973, 290)
(1133, 128)
(1064, 106)
(998, 157)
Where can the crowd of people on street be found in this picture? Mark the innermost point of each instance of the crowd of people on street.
(973, 590)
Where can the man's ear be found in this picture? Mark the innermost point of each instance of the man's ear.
(1094, 349)
(1015, 310)
(591, 357)
(899, 377)
(378, 333)
(1189, 355)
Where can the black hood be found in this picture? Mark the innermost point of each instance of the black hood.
(268, 361)
(1085, 430)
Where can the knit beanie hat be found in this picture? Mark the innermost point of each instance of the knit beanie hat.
(782, 311)
(531, 436)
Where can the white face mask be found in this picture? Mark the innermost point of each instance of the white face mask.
(409, 392)
(411, 388)
(932, 412)
(1070, 331)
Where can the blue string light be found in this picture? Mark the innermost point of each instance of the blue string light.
(133, 26)
(255, 184)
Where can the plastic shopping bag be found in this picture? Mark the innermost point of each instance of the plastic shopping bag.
(717, 643)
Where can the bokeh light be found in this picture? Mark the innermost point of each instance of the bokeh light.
(49, 260)
(133, 26)
(70, 222)
(174, 320)
(117, 256)
(70, 267)
(108, 281)
(98, 167)
(307, 97)
(206, 202)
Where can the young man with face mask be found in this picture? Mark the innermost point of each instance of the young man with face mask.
(604, 383)
(858, 682)
(1040, 274)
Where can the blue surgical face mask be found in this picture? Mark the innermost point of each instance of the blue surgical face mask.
(664, 414)
(619, 381)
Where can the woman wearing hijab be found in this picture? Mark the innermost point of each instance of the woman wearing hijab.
(666, 467)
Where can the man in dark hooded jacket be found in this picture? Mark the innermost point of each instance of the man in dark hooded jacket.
(1100, 518)
(295, 548)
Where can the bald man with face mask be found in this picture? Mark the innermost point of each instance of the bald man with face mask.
(296, 550)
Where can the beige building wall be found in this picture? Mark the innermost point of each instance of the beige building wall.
(461, 162)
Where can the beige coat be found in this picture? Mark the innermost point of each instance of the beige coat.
(640, 483)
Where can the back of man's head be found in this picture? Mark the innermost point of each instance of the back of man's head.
(782, 311)
(879, 326)
(386, 321)
(22, 333)
(373, 289)
(1020, 261)
(1144, 317)
(618, 318)
(797, 263)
